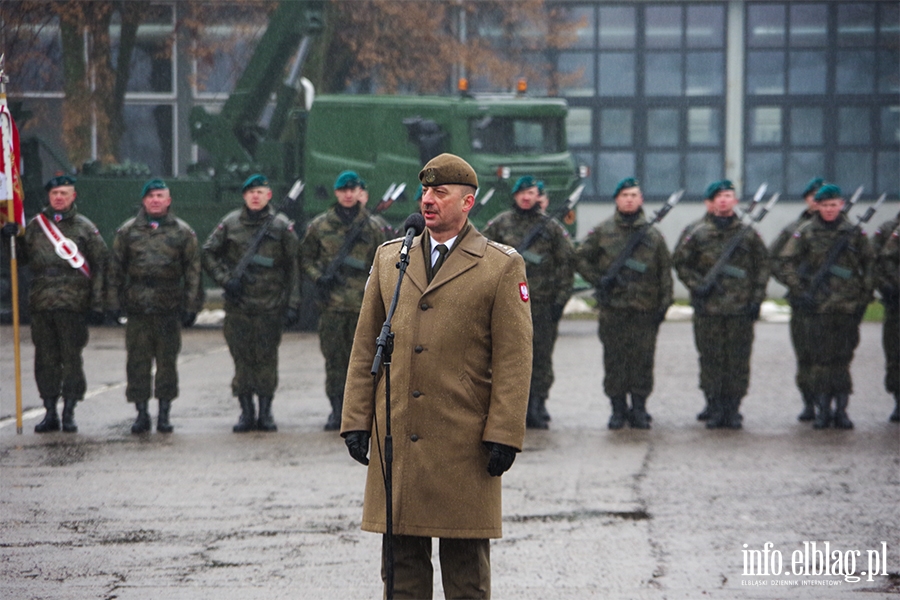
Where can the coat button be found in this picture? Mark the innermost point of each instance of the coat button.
(414, 438)
(416, 394)
(419, 349)
(423, 306)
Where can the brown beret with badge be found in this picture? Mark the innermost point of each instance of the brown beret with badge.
(448, 169)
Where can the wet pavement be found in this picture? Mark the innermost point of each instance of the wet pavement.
(588, 513)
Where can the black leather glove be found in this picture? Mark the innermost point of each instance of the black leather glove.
(233, 289)
(358, 445)
(9, 230)
(188, 319)
(752, 310)
(606, 283)
(502, 458)
(96, 317)
(556, 312)
(291, 317)
(703, 290)
(113, 316)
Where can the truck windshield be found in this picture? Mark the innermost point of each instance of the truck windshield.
(512, 135)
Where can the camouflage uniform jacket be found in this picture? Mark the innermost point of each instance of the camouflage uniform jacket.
(272, 280)
(56, 285)
(645, 280)
(154, 267)
(849, 285)
(883, 233)
(741, 283)
(324, 238)
(782, 239)
(549, 260)
(888, 267)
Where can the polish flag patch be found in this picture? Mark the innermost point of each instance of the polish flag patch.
(523, 291)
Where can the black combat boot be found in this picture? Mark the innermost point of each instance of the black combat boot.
(334, 419)
(703, 415)
(68, 416)
(533, 418)
(823, 411)
(809, 408)
(619, 412)
(247, 420)
(841, 420)
(638, 417)
(542, 410)
(265, 421)
(142, 422)
(51, 419)
(895, 416)
(732, 418)
(162, 421)
(716, 408)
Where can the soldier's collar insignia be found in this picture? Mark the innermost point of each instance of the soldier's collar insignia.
(154, 224)
(430, 175)
(57, 217)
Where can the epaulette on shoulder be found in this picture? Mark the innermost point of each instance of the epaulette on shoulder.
(398, 240)
(127, 224)
(507, 250)
(184, 225)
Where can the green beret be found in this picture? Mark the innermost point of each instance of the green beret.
(828, 191)
(448, 169)
(153, 184)
(254, 181)
(628, 182)
(523, 183)
(362, 183)
(813, 186)
(540, 186)
(347, 179)
(59, 181)
(715, 187)
(419, 192)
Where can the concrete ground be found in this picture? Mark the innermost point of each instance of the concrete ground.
(668, 513)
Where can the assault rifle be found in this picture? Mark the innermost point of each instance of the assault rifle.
(829, 267)
(611, 278)
(535, 231)
(480, 203)
(721, 265)
(239, 273)
(331, 276)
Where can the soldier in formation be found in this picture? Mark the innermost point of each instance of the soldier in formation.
(154, 275)
(549, 259)
(833, 304)
(68, 262)
(726, 302)
(632, 301)
(336, 253)
(886, 242)
(260, 300)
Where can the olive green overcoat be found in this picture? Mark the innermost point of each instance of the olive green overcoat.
(459, 377)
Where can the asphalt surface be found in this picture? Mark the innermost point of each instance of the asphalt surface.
(588, 513)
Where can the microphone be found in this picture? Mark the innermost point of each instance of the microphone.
(414, 225)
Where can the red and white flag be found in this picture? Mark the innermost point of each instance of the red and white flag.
(10, 158)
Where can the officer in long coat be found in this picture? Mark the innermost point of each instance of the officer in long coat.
(459, 389)
(258, 303)
(632, 303)
(154, 274)
(68, 263)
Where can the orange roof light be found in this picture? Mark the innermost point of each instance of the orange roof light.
(521, 86)
(463, 84)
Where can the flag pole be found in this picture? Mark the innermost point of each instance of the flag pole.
(13, 261)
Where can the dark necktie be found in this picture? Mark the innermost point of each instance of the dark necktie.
(442, 254)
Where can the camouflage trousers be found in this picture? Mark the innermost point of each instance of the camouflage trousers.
(629, 346)
(546, 329)
(724, 343)
(890, 341)
(802, 352)
(150, 338)
(336, 331)
(59, 337)
(832, 340)
(253, 341)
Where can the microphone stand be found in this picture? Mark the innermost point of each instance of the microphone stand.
(384, 348)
